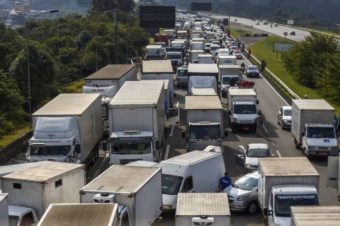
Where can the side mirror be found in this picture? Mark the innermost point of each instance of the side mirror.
(77, 149)
(257, 101)
(241, 149)
(267, 212)
(158, 145)
(183, 134)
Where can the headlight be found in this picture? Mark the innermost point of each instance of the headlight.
(242, 198)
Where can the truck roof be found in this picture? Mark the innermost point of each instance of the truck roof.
(202, 204)
(68, 104)
(197, 51)
(157, 66)
(203, 91)
(79, 214)
(122, 179)
(14, 167)
(153, 47)
(230, 66)
(287, 166)
(241, 92)
(190, 158)
(312, 104)
(43, 172)
(202, 68)
(132, 93)
(202, 103)
(316, 215)
(111, 72)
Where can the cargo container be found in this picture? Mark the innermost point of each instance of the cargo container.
(315, 215)
(3, 210)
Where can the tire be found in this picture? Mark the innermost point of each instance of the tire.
(252, 208)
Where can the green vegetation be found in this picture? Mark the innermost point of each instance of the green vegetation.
(238, 31)
(74, 87)
(15, 134)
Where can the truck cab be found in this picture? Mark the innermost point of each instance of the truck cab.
(282, 197)
(319, 139)
(22, 216)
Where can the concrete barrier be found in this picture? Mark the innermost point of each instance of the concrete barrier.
(13, 149)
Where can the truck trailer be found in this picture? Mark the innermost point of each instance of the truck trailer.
(315, 215)
(137, 122)
(136, 189)
(67, 129)
(39, 186)
(312, 127)
(3, 210)
(203, 209)
(202, 76)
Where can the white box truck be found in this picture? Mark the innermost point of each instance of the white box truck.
(202, 209)
(197, 83)
(155, 52)
(196, 171)
(315, 215)
(159, 69)
(229, 76)
(198, 45)
(242, 109)
(205, 59)
(38, 186)
(286, 182)
(67, 129)
(4, 210)
(202, 76)
(204, 125)
(312, 127)
(137, 122)
(193, 55)
(136, 189)
(108, 80)
(333, 173)
(85, 214)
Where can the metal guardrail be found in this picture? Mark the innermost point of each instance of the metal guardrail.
(275, 79)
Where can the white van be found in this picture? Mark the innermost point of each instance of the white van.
(196, 171)
(226, 60)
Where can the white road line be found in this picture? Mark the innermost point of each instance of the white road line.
(265, 129)
(167, 152)
(278, 153)
(172, 130)
(177, 104)
(269, 84)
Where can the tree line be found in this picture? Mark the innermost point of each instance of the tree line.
(59, 51)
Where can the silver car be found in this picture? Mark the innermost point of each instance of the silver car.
(243, 193)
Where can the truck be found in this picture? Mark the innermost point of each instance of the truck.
(226, 60)
(202, 76)
(160, 69)
(229, 76)
(137, 122)
(197, 83)
(204, 125)
(312, 127)
(3, 210)
(38, 186)
(108, 80)
(285, 182)
(213, 209)
(137, 190)
(155, 52)
(333, 173)
(205, 59)
(242, 109)
(315, 215)
(69, 128)
(188, 173)
(193, 55)
(199, 45)
(67, 214)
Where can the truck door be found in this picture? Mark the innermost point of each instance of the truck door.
(333, 171)
(188, 185)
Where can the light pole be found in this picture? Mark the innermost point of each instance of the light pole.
(29, 98)
(115, 24)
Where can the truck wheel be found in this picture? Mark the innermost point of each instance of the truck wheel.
(252, 208)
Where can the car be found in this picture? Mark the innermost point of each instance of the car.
(292, 33)
(248, 157)
(284, 117)
(243, 195)
(238, 54)
(252, 71)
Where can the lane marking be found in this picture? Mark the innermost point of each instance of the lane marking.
(270, 85)
(278, 154)
(167, 152)
(265, 129)
(172, 130)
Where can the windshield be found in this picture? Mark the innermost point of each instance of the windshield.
(171, 184)
(320, 132)
(174, 56)
(13, 220)
(50, 150)
(246, 183)
(232, 81)
(284, 202)
(258, 152)
(204, 132)
(131, 147)
(181, 72)
(245, 109)
(252, 68)
(287, 112)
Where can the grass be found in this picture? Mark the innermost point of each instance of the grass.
(74, 87)
(263, 50)
(238, 31)
(6, 140)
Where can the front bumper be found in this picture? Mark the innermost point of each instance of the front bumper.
(254, 75)
(322, 152)
(245, 127)
(237, 206)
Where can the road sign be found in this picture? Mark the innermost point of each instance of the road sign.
(282, 47)
(157, 16)
(201, 6)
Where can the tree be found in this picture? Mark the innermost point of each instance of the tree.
(11, 113)
(105, 5)
(42, 73)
